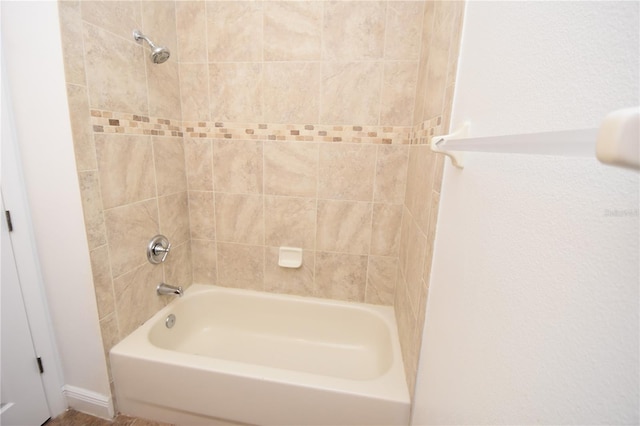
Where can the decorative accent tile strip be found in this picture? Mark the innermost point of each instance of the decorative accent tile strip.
(125, 123)
(421, 134)
(118, 122)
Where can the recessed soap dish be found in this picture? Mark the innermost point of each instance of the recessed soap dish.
(290, 257)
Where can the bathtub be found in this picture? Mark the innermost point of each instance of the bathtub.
(263, 359)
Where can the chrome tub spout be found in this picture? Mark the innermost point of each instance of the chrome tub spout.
(163, 289)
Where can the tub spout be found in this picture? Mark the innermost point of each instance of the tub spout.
(168, 289)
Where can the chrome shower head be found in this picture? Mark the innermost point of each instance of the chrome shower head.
(159, 54)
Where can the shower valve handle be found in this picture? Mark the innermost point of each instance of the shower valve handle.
(158, 249)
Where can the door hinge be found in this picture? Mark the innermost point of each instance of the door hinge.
(40, 367)
(7, 215)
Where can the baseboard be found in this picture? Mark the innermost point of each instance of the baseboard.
(89, 402)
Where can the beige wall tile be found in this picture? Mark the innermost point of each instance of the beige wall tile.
(419, 183)
(438, 172)
(415, 265)
(436, 81)
(92, 209)
(177, 267)
(241, 266)
(341, 276)
(287, 280)
(71, 36)
(403, 30)
(235, 92)
(381, 280)
(448, 107)
(420, 318)
(239, 218)
(191, 20)
(292, 30)
(83, 145)
(398, 93)
(201, 215)
(291, 168)
(125, 163)
(350, 93)
(129, 229)
(290, 222)
(291, 92)
(136, 298)
(385, 229)
(164, 89)
(110, 336)
(406, 321)
(456, 37)
(199, 164)
(169, 161)
(403, 252)
(159, 24)
(203, 258)
(346, 171)
(116, 74)
(234, 31)
(194, 91)
(391, 174)
(445, 16)
(344, 226)
(431, 235)
(174, 217)
(421, 87)
(118, 17)
(424, 195)
(354, 30)
(237, 166)
(101, 272)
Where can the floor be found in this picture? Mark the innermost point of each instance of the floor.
(75, 418)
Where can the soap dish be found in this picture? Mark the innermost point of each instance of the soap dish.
(290, 257)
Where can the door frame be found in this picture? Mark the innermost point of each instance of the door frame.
(27, 262)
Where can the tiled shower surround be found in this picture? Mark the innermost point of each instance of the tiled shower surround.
(294, 123)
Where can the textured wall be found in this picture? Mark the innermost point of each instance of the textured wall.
(533, 308)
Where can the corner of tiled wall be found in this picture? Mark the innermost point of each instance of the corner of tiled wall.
(438, 63)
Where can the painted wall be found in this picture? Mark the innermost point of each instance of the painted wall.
(533, 309)
(31, 47)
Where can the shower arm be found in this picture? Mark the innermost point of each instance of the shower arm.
(138, 36)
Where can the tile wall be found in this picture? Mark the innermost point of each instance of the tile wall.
(439, 54)
(299, 123)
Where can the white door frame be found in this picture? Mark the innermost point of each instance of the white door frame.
(23, 241)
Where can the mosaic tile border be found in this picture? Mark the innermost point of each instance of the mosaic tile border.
(422, 133)
(125, 123)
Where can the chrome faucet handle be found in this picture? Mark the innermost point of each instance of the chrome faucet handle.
(158, 249)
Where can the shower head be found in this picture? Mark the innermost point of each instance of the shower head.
(159, 54)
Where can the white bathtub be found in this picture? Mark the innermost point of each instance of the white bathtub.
(263, 359)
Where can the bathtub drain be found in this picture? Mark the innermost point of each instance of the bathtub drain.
(170, 321)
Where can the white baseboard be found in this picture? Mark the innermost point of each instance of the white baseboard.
(89, 402)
